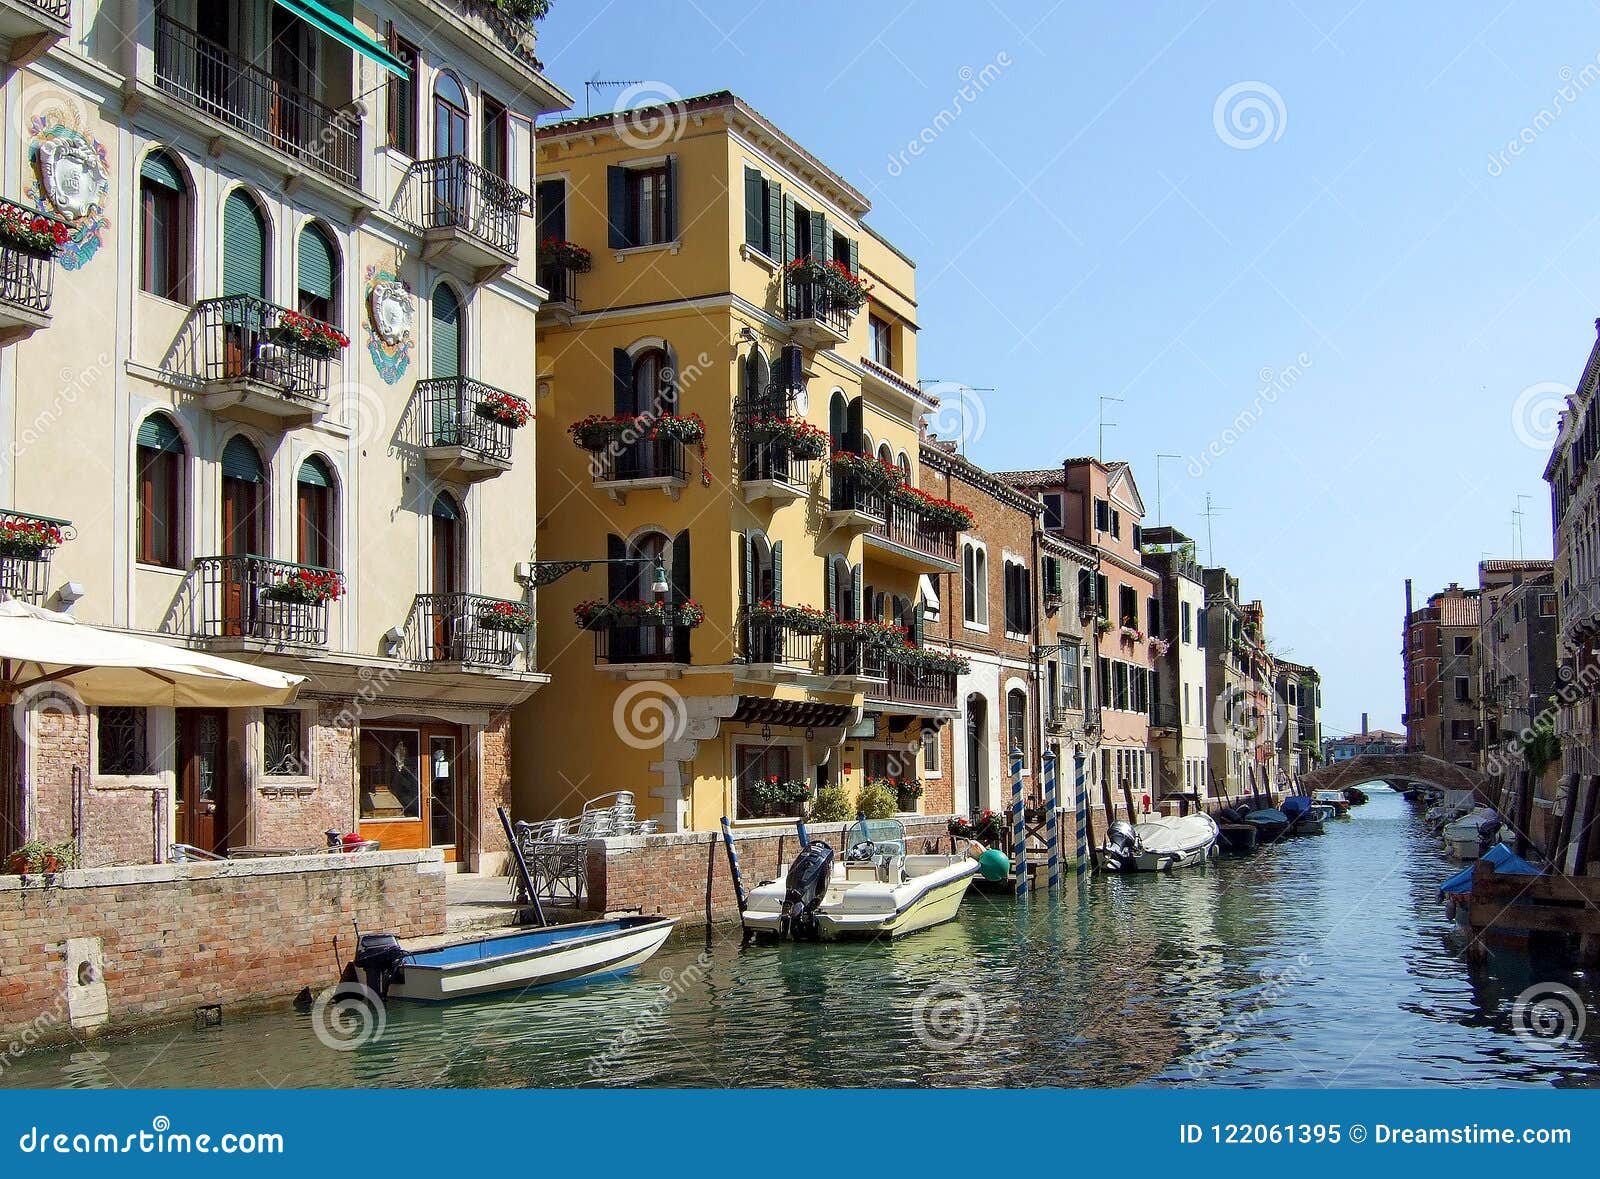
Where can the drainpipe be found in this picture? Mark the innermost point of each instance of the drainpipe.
(1034, 610)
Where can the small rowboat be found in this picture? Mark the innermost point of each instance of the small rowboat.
(508, 962)
(1159, 845)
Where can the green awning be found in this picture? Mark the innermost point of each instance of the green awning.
(341, 30)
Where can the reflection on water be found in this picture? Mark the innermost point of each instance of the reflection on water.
(1322, 962)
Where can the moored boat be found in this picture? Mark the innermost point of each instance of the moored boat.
(1456, 892)
(1269, 821)
(876, 891)
(511, 961)
(1467, 837)
(1334, 799)
(1159, 845)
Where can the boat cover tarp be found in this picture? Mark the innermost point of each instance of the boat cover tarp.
(1506, 863)
(1268, 815)
(1295, 806)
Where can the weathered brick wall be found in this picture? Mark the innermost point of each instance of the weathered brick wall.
(667, 873)
(299, 821)
(494, 775)
(175, 937)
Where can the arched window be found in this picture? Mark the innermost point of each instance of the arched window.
(159, 465)
(885, 453)
(904, 463)
(450, 116)
(757, 377)
(164, 228)
(445, 337)
(974, 585)
(244, 499)
(318, 267)
(447, 539)
(838, 421)
(315, 522)
(654, 389)
(244, 246)
(844, 589)
(1016, 725)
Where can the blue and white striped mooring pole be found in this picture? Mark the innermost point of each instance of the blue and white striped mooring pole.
(733, 865)
(1052, 834)
(1019, 827)
(1080, 812)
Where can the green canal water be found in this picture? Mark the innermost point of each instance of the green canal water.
(1321, 962)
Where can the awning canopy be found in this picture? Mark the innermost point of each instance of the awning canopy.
(341, 30)
(40, 649)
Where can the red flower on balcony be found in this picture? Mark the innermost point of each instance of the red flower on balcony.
(310, 335)
(598, 431)
(565, 255)
(29, 230)
(307, 587)
(844, 286)
(27, 539)
(506, 408)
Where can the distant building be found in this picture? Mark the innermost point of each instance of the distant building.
(1179, 712)
(1299, 734)
(1439, 648)
(1368, 742)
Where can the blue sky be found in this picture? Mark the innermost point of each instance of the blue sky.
(1094, 223)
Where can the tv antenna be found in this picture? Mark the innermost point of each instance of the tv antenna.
(1517, 550)
(1208, 513)
(961, 413)
(594, 85)
(1103, 424)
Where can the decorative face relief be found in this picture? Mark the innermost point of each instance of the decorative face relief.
(392, 310)
(71, 174)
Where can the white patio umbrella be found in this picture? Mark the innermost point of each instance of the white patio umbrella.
(41, 649)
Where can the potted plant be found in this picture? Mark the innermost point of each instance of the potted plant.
(596, 432)
(32, 231)
(309, 335)
(877, 800)
(506, 616)
(986, 827)
(832, 805)
(906, 791)
(777, 797)
(1101, 625)
(881, 636)
(872, 473)
(28, 539)
(806, 620)
(796, 435)
(306, 587)
(506, 408)
(926, 659)
(595, 614)
(58, 857)
(841, 286)
(564, 255)
(27, 858)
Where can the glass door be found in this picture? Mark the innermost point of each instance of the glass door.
(444, 796)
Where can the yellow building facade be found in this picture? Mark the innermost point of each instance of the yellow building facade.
(257, 394)
(698, 371)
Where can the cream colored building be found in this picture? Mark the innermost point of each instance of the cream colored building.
(233, 176)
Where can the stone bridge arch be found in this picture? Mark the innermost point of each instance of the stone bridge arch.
(1399, 769)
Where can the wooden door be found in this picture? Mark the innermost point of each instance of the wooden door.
(202, 803)
(445, 576)
(412, 788)
(241, 537)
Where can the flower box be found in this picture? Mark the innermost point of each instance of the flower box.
(33, 232)
(796, 435)
(598, 432)
(842, 286)
(933, 511)
(506, 616)
(777, 798)
(597, 615)
(926, 659)
(986, 827)
(806, 620)
(881, 636)
(306, 587)
(27, 539)
(506, 408)
(564, 255)
(872, 473)
(310, 336)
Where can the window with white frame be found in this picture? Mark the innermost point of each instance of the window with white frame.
(283, 743)
(974, 585)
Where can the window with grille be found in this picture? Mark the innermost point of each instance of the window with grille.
(283, 738)
(123, 748)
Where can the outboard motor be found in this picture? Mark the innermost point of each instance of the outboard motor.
(1123, 846)
(806, 885)
(378, 957)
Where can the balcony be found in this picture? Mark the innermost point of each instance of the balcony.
(640, 642)
(241, 97)
(27, 279)
(26, 544)
(642, 464)
(561, 302)
(920, 689)
(816, 316)
(246, 602)
(470, 630)
(250, 365)
(775, 649)
(897, 532)
(32, 26)
(847, 657)
(459, 440)
(770, 471)
(467, 216)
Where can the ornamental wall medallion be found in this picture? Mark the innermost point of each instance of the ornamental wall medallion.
(73, 180)
(391, 310)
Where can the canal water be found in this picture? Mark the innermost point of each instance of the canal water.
(1321, 962)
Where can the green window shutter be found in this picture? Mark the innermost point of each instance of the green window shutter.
(314, 473)
(240, 461)
(618, 577)
(621, 381)
(830, 585)
(244, 248)
(787, 245)
(777, 572)
(158, 168)
(856, 593)
(317, 263)
(551, 204)
(855, 436)
(855, 256)
(819, 238)
(774, 226)
(755, 210)
(445, 337)
(157, 432)
(680, 567)
(747, 564)
(617, 208)
(672, 198)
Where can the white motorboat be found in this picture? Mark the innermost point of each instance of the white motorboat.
(513, 961)
(1159, 845)
(876, 891)
(1464, 838)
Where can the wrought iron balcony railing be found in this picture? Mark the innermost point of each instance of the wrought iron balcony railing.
(231, 90)
(915, 686)
(243, 338)
(27, 542)
(847, 655)
(811, 299)
(772, 461)
(771, 641)
(636, 640)
(640, 459)
(254, 597)
(59, 9)
(27, 277)
(453, 193)
(898, 523)
(469, 629)
(451, 417)
(562, 284)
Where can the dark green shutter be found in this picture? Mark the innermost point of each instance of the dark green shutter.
(618, 577)
(317, 264)
(830, 586)
(918, 621)
(855, 434)
(755, 210)
(621, 381)
(158, 168)
(240, 461)
(855, 256)
(617, 208)
(551, 203)
(314, 473)
(672, 198)
(244, 248)
(777, 572)
(157, 432)
(786, 246)
(774, 246)
(446, 334)
(680, 567)
(856, 593)
(819, 238)
(747, 564)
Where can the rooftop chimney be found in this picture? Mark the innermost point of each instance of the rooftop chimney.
(1363, 724)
